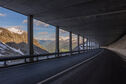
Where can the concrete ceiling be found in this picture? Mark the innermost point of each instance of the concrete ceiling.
(103, 21)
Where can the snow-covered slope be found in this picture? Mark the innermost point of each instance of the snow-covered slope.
(15, 30)
(6, 50)
(13, 42)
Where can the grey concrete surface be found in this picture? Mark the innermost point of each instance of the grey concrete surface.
(102, 21)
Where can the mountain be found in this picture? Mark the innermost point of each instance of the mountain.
(49, 45)
(44, 42)
(17, 39)
(6, 50)
(15, 30)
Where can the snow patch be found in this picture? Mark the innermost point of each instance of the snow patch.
(15, 30)
(16, 50)
(1, 55)
(3, 46)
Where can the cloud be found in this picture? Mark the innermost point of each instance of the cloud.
(63, 37)
(1, 14)
(74, 35)
(45, 37)
(24, 21)
(16, 27)
(38, 23)
(43, 33)
(63, 31)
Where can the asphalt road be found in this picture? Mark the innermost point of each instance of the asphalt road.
(36, 72)
(106, 68)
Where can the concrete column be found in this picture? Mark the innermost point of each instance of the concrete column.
(70, 43)
(30, 36)
(95, 45)
(78, 42)
(57, 40)
(98, 45)
(87, 45)
(83, 42)
(92, 45)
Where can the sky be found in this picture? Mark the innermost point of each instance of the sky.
(42, 31)
(9, 19)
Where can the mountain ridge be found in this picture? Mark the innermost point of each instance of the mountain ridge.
(18, 41)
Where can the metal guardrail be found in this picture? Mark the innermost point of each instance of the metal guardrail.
(25, 57)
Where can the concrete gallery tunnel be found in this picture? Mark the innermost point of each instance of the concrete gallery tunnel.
(87, 43)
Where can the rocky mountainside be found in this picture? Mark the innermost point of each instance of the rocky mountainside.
(17, 39)
(6, 50)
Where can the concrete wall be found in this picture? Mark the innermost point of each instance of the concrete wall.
(119, 47)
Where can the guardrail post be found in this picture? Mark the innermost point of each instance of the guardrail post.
(57, 40)
(30, 36)
(78, 41)
(25, 60)
(70, 43)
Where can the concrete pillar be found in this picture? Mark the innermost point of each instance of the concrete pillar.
(83, 42)
(30, 36)
(70, 43)
(57, 40)
(98, 45)
(78, 42)
(90, 45)
(87, 44)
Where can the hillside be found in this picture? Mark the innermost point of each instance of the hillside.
(64, 45)
(17, 39)
(8, 36)
(6, 50)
